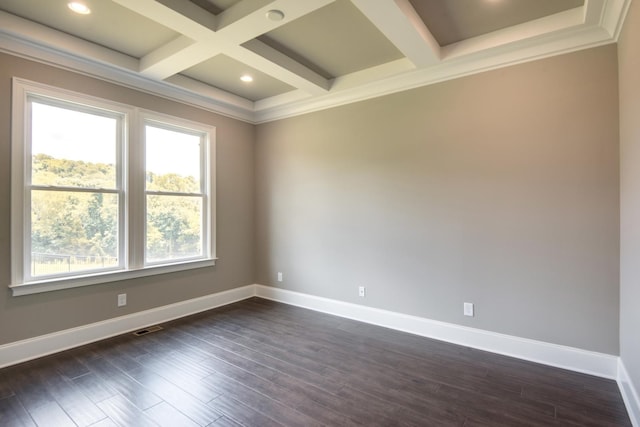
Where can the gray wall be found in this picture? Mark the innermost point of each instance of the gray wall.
(499, 189)
(29, 316)
(629, 65)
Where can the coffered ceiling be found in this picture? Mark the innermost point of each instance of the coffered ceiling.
(303, 55)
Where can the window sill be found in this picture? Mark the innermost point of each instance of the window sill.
(56, 284)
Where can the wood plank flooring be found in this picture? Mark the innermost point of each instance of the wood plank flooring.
(261, 363)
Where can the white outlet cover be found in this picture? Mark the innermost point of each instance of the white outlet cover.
(361, 291)
(279, 276)
(468, 309)
(122, 300)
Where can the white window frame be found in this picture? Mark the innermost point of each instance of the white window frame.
(130, 189)
(206, 183)
(79, 105)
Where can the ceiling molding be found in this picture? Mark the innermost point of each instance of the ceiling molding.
(454, 68)
(553, 35)
(233, 32)
(32, 41)
(613, 17)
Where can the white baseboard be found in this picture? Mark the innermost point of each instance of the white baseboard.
(593, 363)
(21, 351)
(629, 394)
(599, 364)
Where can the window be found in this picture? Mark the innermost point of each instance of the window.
(103, 191)
(175, 192)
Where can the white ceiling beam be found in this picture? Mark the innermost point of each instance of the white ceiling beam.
(173, 57)
(239, 11)
(181, 16)
(400, 23)
(280, 66)
(239, 24)
(192, 22)
(238, 28)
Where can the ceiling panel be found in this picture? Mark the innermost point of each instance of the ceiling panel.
(109, 24)
(451, 21)
(224, 73)
(334, 40)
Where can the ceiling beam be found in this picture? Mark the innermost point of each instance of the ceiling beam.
(400, 23)
(181, 16)
(280, 66)
(162, 62)
(205, 36)
(239, 29)
(241, 10)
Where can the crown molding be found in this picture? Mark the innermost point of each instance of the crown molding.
(29, 40)
(597, 23)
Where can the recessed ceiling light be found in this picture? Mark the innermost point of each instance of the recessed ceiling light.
(79, 7)
(275, 15)
(246, 78)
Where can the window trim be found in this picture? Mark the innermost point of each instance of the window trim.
(132, 187)
(207, 186)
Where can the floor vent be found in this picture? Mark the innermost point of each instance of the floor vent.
(148, 330)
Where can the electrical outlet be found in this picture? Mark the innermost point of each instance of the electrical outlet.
(279, 276)
(122, 300)
(361, 291)
(468, 309)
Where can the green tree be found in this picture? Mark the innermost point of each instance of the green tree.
(101, 226)
(73, 223)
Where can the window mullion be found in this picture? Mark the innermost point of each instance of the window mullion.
(136, 199)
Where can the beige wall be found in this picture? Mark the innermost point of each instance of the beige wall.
(29, 316)
(629, 65)
(499, 189)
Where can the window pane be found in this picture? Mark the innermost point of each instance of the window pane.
(172, 160)
(73, 231)
(174, 228)
(72, 148)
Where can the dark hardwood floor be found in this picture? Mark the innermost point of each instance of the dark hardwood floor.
(261, 363)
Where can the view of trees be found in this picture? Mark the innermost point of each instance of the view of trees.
(85, 224)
